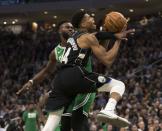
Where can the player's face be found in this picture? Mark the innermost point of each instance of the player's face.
(67, 28)
(88, 22)
(31, 106)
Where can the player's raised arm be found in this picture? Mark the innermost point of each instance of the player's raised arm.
(106, 57)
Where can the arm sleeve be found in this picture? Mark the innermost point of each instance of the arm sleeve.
(103, 35)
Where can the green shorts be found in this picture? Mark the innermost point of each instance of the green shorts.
(81, 100)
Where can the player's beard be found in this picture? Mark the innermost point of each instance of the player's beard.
(31, 109)
(65, 35)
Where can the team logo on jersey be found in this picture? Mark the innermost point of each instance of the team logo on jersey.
(32, 115)
(101, 79)
(81, 56)
(71, 41)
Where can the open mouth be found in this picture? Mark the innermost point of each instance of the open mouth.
(93, 22)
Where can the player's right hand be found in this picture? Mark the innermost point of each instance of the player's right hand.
(25, 87)
(123, 34)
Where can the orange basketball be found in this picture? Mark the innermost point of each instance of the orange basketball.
(114, 22)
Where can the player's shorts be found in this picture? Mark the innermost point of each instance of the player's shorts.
(83, 101)
(70, 81)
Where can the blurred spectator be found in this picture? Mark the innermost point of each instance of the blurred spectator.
(30, 117)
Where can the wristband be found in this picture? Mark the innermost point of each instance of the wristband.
(103, 35)
(31, 81)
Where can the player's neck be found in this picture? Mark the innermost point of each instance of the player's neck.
(83, 29)
(87, 30)
(63, 44)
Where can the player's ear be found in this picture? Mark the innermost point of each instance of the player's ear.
(82, 24)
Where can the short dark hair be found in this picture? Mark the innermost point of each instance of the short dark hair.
(61, 23)
(77, 18)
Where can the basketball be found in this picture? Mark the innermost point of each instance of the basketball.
(114, 22)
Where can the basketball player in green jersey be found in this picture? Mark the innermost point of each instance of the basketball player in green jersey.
(79, 108)
(30, 118)
(82, 101)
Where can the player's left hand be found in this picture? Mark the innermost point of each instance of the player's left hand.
(25, 87)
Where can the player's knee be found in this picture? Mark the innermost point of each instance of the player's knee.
(118, 88)
(122, 85)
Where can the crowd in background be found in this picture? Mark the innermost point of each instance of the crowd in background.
(12, 2)
(138, 65)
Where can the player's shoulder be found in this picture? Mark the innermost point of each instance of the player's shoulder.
(89, 37)
(53, 52)
(52, 55)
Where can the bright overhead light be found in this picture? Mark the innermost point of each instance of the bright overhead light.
(45, 12)
(82, 9)
(159, 13)
(93, 14)
(13, 22)
(55, 16)
(34, 24)
(54, 25)
(131, 10)
(147, 0)
(101, 28)
(4, 22)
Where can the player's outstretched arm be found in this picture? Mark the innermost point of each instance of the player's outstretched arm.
(108, 57)
(104, 35)
(40, 76)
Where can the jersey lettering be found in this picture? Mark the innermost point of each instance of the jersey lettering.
(65, 57)
(71, 41)
(31, 115)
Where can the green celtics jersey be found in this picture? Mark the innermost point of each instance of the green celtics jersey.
(59, 52)
(58, 128)
(30, 119)
(105, 127)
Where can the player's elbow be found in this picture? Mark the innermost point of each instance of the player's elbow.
(109, 60)
(109, 63)
(106, 60)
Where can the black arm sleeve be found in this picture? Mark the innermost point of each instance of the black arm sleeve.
(103, 35)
